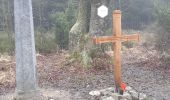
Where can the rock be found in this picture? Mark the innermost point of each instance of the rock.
(142, 96)
(95, 93)
(128, 88)
(107, 98)
(109, 94)
(51, 99)
(134, 94)
(108, 91)
(127, 96)
(116, 96)
(111, 89)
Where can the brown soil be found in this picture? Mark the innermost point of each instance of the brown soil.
(142, 69)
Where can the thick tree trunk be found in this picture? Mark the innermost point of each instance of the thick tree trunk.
(81, 26)
(80, 41)
(98, 25)
(78, 36)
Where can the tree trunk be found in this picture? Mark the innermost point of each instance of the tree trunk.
(81, 26)
(80, 41)
(79, 37)
(98, 25)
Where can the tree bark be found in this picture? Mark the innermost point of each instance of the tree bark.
(88, 24)
(78, 35)
(98, 25)
(81, 26)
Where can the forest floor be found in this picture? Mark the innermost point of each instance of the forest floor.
(58, 79)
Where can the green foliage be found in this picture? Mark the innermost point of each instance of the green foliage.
(43, 9)
(61, 31)
(163, 26)
(63, 22)
(137, 13)
(163, 15)
(45, 42)
(52, 20)
(6, 45)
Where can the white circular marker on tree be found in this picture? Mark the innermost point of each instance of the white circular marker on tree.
(102, 11)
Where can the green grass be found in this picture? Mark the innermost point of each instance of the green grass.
(44, 42)
(6, 44)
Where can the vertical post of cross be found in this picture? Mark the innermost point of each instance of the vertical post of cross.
(117, 39)
(117, 48)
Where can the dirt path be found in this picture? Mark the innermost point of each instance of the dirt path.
(146, 73)
(141, 70)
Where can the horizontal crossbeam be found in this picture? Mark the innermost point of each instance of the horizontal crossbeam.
(123, 38)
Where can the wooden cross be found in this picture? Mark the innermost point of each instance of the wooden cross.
(117, 39)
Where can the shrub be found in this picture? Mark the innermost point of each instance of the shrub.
(6, 44)
(45, 42)
(163, 26)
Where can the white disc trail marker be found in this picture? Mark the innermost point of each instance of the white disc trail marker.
(102, 11)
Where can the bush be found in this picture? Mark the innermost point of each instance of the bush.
(45, 42)
(163, 16)
(6, 44)
(163, 26)
(64, 20)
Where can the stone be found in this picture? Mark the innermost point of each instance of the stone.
(111, 89)
(134, 94)
(26, 81)
(51, 99)
(107, 98)
(127, 96)
(117, 96)
(142, 96)
(128, 88)
(108, 91)
(95, 93)
(109, 94)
